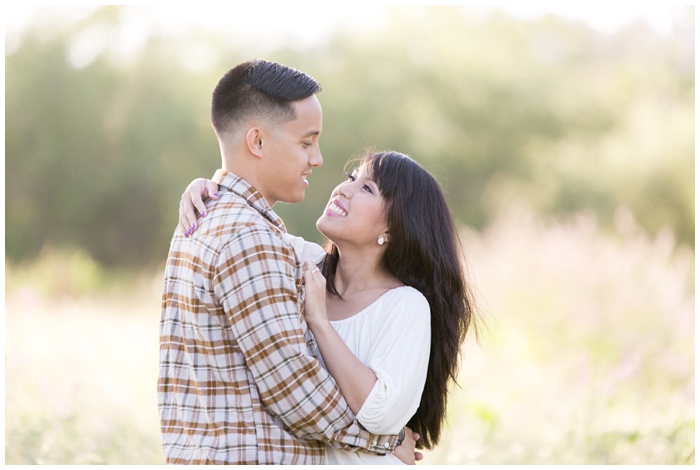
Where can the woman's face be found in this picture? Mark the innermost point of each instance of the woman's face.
(355, 213)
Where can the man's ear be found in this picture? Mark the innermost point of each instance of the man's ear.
(254, 141)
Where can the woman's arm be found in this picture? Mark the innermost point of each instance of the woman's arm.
(202, 189)
(354, 379)
(305, 250)
(397, 362)
(193, 198)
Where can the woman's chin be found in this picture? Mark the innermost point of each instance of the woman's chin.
(322, 226)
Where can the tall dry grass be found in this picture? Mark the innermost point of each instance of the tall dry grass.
(586, 354)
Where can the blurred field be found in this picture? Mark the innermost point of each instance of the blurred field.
(80, 369)
(586, 353)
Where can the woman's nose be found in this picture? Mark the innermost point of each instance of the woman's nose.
(345, 189)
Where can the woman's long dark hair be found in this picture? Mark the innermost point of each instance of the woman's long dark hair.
(423, 252)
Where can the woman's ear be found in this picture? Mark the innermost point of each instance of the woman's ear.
(254, 142)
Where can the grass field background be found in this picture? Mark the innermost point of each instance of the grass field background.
(586, 353)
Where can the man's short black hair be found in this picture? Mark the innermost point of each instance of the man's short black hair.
(258, 88)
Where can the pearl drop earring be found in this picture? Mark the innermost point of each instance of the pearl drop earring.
(380, 241)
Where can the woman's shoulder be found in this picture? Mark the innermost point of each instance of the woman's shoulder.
(401, 310)
(407, 292)
(395, 304)
(407, 298)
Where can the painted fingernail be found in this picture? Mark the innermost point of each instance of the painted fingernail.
(204, 214)
(216, 194)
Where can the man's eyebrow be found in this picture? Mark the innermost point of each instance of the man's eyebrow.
(311, 133)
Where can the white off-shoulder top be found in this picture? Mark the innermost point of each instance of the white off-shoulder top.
(392, 337)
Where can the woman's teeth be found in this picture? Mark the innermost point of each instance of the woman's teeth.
(336, 210)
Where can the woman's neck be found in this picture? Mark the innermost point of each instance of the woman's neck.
(361, 271)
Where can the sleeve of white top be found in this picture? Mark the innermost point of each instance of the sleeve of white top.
(399, 358)
(306, 251)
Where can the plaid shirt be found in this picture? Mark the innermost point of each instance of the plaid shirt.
(237, 382)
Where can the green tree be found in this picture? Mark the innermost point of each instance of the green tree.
(549, 113)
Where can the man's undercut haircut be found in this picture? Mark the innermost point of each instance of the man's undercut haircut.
(259, 89)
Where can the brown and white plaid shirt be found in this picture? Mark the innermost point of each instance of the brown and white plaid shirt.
(237, 381)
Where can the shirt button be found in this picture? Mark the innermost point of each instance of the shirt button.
(386, 445)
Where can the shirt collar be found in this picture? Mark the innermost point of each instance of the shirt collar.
(244, 189)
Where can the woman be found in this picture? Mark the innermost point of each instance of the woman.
(388, 304)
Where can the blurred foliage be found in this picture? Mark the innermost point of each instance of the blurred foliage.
(550, 113)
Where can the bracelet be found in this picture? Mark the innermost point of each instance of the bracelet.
(402, 435)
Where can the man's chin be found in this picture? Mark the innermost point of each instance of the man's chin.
(294, 199)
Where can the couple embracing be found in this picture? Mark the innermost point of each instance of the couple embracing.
(274, 350)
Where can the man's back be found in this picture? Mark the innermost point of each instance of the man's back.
(232, 344)
(237, 382)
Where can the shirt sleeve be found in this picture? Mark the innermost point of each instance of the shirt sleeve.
(306, 251)
(399, 358)
(255, 283)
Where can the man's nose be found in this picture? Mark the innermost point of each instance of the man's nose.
(316, 158)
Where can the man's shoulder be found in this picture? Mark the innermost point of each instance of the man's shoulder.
(233, 209)
(232, 213)
(232, 219)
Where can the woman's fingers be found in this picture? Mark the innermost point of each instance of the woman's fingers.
(312, 275)
(212, 189)
(314, 270)
(193, 200)
(188, 219)
(310, 267)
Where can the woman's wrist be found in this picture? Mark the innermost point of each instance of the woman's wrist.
(319, 325)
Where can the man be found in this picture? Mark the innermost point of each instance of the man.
(237, 383)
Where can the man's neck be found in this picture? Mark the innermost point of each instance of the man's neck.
(249, 174)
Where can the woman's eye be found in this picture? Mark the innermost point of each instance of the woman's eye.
(367, 188)
(351, 177)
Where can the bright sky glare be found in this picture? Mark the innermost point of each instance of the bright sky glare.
(272, 24)
(312, 21)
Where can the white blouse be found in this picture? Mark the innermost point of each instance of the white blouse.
(392, 337)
